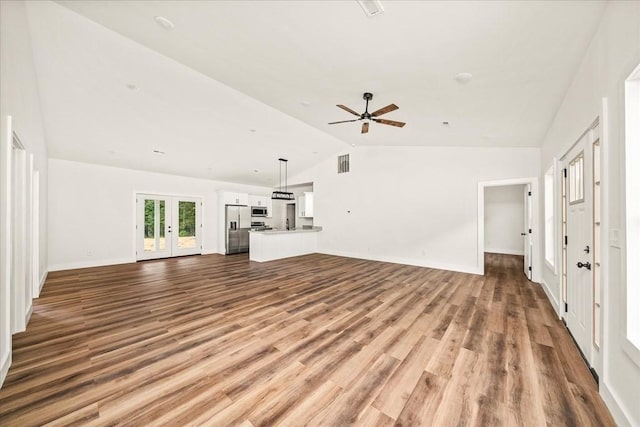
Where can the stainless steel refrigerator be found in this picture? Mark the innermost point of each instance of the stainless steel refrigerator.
(238, 224)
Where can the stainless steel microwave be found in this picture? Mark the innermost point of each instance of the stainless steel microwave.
(258, 211)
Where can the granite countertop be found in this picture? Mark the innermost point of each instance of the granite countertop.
(297, 230)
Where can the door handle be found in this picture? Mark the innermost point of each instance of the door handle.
(584, 264)
(587, 249)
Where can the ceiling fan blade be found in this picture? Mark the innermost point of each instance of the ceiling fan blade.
(344, 121)
(365, 127)
(389, 122)
(347, 109)
(384, 110)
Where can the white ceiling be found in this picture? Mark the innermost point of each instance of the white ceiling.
(231, 66)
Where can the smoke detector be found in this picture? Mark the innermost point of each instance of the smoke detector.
(371, 7)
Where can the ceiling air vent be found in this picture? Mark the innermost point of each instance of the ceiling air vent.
(343, 163)
(371, 7)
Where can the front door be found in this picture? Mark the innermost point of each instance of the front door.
(167, 226)
(579, 244)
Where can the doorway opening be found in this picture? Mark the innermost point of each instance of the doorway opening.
(507, 212)
(290, 222)
(21, 290)
(167, 226)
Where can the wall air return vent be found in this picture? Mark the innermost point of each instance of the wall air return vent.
(371, 7)
(343, 163)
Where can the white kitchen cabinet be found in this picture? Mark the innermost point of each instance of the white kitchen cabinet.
(258, 200)
(233, 198)
(305, 205)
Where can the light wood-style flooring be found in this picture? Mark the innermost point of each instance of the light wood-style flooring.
(312, 340)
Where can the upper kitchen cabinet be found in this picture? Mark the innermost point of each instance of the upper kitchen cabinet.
(305, 205)
(232, 198)
(258, 200)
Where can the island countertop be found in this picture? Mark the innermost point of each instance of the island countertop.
(268, 245)
(297, 230)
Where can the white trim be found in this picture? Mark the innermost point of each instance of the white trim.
(35, 233)
(6, 141)
(535, 195)
(504, 251)
(406, 261)
(604, 243)
(631, 350)
(611, 400)
(89, 264)
(27, 316)
(553, 300)
(4, 368)
(42, 280)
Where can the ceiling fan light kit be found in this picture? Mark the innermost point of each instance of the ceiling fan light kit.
(368, 96)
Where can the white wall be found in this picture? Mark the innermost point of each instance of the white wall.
(413, 205)
(504, 219)
(19, 99)
(612, 55)
(92, 211)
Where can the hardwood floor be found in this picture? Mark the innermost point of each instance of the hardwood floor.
(317, 340)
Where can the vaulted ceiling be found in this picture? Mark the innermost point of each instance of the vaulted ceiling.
(236, 84)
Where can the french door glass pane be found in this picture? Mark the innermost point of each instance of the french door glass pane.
(186, 225)
(154, 213)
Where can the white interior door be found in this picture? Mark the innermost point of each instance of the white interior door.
(579, 244)
(528, 240)
(167, 226)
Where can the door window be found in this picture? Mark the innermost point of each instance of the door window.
(576, 179)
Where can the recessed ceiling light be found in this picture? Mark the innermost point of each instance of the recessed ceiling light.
(131, 86)
(159, 152)
(112, 151)
(305, 103)
(445, 123)
(164, 22)
(464, 77)
(256, 170)
(315, 152)
(353, 145)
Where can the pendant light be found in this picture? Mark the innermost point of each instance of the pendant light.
(283, 195)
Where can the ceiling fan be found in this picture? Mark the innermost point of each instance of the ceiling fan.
(370, 116)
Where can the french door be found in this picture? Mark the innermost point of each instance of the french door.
(167, 226)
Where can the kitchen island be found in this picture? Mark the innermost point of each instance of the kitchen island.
(269, 245)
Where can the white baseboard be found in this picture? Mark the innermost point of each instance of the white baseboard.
(27, 316)
(616, 410)
(554, 302)
(43, 279)
(505, 251)
(406, 261)
(92, 263)
(4, 367)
